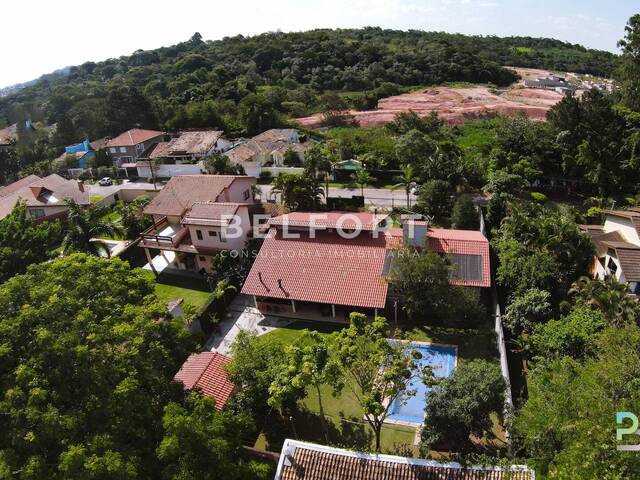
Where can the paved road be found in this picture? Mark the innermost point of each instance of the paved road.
(95, 189)
(377, 197)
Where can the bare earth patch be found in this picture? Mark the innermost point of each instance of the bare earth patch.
(456, 105)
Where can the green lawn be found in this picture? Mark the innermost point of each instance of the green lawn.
(347, 427)
(171, 287)
(95, 198)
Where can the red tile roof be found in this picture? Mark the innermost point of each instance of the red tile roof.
(322, 220)
(182, 191)
(210, 213)
(319, 462)
(464, 242)
(205, 372)
(133, 137)
(326, 269)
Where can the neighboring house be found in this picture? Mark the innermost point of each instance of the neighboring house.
(181, 155)
(266, 149)
(44, 197)
(617, 244)
(8, 136)
(303, 460)
(195, 219)
(128, 146)
(322, 274)
(80, 151)
(205, 372)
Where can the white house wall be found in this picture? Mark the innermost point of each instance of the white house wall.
(215, 242)
(624, 226)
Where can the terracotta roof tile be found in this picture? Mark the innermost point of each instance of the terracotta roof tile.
(182, 191)
(463, 242)
(326, 269)
(133, 137)
(205, 372)
(210, 213)
(301, 460)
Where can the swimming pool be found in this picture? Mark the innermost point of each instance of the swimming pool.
(442, 359)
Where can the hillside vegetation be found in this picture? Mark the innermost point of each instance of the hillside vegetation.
(231, 82)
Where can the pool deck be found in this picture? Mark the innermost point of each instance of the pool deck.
(418, 425)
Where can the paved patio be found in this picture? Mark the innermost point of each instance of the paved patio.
(242, 315)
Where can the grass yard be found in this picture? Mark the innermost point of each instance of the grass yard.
(347, 428)
(171, 287)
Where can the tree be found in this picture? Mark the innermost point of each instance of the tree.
(298, 192)
(318, 163)
(566, 427)
(464, 215)
(413, 148)
(462, 404)
(362, 177)
(132, 218)
(83, 225)
(126, 107)
(254, 366)
(572, 336)
(608, 296)
(421, 280)
(23, 242)
(201, 442)
(407, 181)
(628, 72)
(307, 364)
(435, 199)
(257, 114)
(87, 363)
(65, 133)
(404, 122)
(376, 370)
(219, 164)
(527, 310)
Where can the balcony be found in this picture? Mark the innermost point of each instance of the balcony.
(165, 236)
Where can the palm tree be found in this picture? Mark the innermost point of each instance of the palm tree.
(362, 177)
(610, 296)
(407, 181)
(85, 224)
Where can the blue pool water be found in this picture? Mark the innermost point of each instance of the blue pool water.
(442, 359)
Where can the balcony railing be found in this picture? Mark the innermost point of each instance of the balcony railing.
(151, 237)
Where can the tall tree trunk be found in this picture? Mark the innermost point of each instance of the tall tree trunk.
(378, 430)
(324, 420)
(408, 203)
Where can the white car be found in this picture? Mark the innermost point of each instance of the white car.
(105, 182)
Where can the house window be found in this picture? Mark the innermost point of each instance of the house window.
(113, 150)
(611, 265)
(246, 194)
(123, 149)
(213, 233)
(202, 259)
(140, 147)
(199, 234)
(37, 213)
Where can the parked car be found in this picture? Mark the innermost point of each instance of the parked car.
(105, 182)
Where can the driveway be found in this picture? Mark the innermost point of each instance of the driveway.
(373, 197)
(241, 315)
(95, 189)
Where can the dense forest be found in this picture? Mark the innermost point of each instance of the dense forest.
(219, 83)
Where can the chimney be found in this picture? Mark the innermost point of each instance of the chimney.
(81, 185)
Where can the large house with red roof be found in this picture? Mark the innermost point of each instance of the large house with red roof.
(195, 218)
(337, 262)
(128, 146)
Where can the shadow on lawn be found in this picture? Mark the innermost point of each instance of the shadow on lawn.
(304, 424)
(189, 282)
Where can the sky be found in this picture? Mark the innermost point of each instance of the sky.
(41, 36)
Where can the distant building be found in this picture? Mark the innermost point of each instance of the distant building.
(181, 155)
(44, 197)
(128, 146)
(267, 149)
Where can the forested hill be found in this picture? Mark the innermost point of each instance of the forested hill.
(197, 82)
